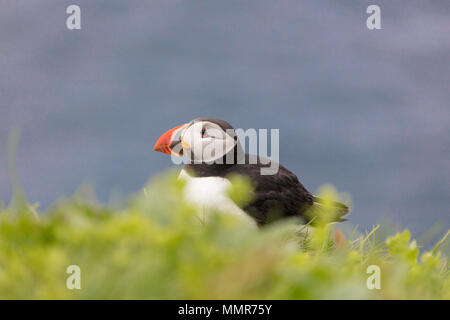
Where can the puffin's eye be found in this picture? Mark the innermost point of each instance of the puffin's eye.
(204, 134)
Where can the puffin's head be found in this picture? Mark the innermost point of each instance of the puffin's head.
(203, 140)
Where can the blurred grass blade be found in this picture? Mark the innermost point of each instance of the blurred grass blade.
(18, 201)
(440, 242)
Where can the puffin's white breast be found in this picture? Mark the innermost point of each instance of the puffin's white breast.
(211, 193)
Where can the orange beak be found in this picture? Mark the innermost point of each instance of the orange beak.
(166, 142)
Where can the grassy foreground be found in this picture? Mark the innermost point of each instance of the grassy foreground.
(156, 247)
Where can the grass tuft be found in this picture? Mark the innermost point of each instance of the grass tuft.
(158, 247)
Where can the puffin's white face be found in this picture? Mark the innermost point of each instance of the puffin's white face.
(206, 142)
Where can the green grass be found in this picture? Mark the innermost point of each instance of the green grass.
(156, 247)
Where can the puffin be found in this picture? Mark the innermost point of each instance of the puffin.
(212, 153)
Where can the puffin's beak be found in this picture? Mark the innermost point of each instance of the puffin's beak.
(169, 140)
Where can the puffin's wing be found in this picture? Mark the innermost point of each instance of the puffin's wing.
(283, 195)
(277, 196)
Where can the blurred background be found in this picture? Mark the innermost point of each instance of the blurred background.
(367, 111)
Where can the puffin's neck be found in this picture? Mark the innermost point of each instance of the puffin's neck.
(218, 169)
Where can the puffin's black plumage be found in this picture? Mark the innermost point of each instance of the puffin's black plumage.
(275, 196)
(280, 194)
